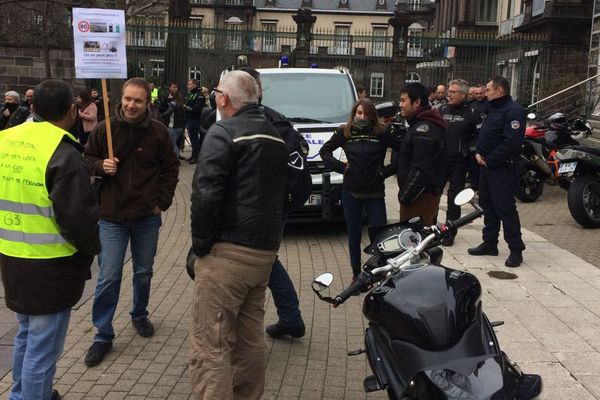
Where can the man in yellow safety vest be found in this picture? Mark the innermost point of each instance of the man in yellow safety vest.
(48, 235)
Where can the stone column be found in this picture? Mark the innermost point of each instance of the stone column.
(304, 20)
(400, 22)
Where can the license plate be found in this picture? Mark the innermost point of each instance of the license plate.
(313, 200)
(567, 167)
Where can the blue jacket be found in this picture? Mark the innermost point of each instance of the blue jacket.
(501, 134)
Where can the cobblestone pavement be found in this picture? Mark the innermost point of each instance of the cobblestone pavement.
(552, 315)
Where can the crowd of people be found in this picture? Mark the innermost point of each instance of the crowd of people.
(241, 196)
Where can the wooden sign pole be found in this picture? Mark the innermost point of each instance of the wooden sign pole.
(107, 120)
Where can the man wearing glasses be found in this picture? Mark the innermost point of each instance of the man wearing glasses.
(463, 121)
(237, 213)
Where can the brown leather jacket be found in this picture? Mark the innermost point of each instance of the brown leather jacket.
(147, 172)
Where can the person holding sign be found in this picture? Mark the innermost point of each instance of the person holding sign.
(138, 184)
(48, 235)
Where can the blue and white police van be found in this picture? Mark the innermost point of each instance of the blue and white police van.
(316, 101)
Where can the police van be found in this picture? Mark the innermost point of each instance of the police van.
(316, 101)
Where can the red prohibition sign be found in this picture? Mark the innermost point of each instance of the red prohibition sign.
(83, 26)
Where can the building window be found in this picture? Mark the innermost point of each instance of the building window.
(342, 40)
(412, 77)
(158, 38)
(234, 2)
(157, 67)
(379, 41)
(537, 7)
(38, 19)
(269, 37)
(196, 73)
(487, 11)
(136, 37)
(414, 49)
(376, 84)
(234, 36)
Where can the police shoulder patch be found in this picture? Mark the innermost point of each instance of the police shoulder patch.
(515, 124)
(423, 128)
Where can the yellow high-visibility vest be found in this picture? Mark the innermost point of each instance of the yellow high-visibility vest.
(28, 227)
(154, 94)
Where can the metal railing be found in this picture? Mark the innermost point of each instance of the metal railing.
(581, 98)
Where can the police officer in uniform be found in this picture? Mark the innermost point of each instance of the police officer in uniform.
(498, 147)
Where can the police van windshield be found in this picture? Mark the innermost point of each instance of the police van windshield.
(311, 97)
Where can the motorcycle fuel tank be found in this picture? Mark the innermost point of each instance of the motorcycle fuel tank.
(427, 305)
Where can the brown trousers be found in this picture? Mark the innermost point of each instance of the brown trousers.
(228, 350)
(426, 206)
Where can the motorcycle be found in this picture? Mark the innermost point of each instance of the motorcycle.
(428, 337)
(580, 166)
(539, 163)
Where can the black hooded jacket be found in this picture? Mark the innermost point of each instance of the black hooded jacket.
(422, 159)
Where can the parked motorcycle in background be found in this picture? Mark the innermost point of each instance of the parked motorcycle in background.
(580, 166)
(539, 163)
(428, 337)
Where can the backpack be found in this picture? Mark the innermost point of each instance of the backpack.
(299, 181)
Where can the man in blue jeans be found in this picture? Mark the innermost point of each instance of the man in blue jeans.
(139, 184)
(48, 236)
(284, 294)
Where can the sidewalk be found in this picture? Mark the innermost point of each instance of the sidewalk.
(551, 313)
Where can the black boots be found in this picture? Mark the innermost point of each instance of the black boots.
(488, 249)
(514, 259)
(484, 249)
(279, 329)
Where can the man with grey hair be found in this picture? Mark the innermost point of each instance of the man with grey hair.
(463, 121)
(12, 113)
(237, 214)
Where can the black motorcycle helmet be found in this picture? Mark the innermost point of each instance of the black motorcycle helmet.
(557, 121)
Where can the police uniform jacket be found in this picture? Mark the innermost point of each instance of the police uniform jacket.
(239, 184)
(463, 121)
(195, 103)
(501, 134)
(422, 158)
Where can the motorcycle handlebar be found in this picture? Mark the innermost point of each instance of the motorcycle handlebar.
(462, 221)
(362, 281)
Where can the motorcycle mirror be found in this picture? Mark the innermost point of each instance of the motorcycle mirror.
(464, 196)
(531, 116)
(322, 282)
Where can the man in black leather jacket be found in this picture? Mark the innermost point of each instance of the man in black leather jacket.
(422, 159)
(237, 215)
(463, 121)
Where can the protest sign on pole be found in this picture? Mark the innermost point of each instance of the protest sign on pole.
(99, 45)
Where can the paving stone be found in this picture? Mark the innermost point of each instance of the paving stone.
(551, 313)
